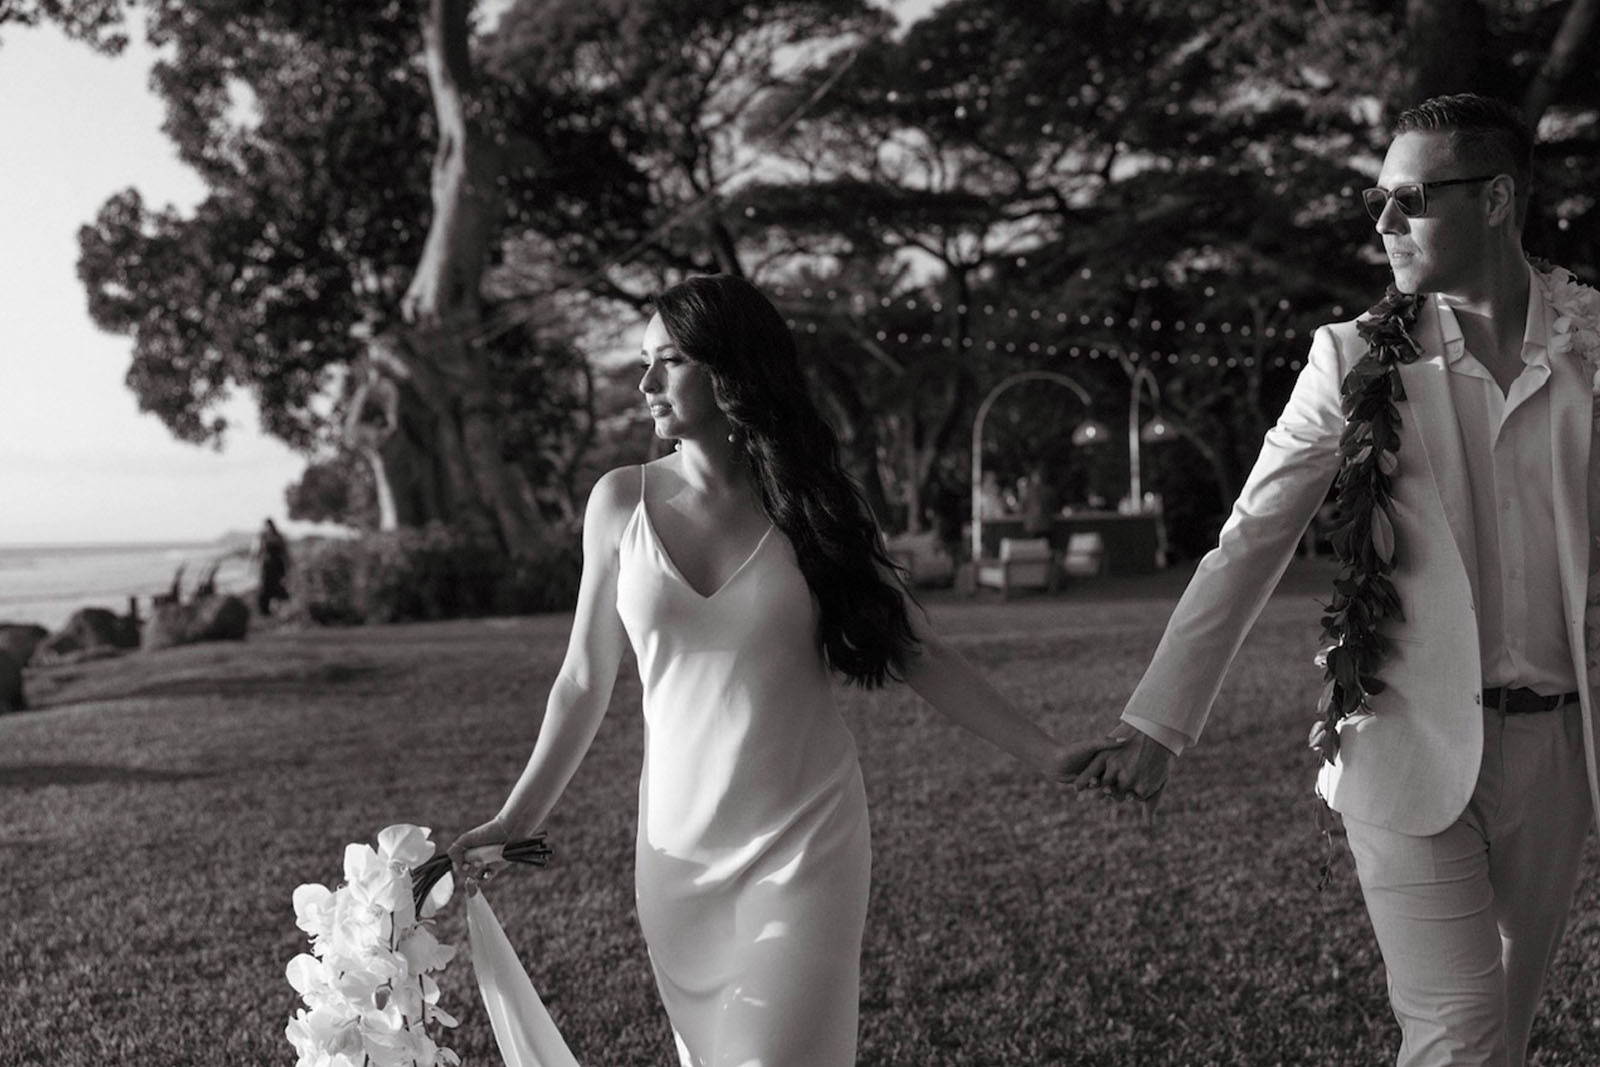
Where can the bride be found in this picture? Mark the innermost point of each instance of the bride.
(746, 571)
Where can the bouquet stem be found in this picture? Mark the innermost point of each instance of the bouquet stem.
(532, 851)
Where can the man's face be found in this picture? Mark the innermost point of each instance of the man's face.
(1444, 249)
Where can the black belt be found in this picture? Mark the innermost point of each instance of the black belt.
(1522, 701)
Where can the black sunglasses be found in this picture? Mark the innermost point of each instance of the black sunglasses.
(1412, 197)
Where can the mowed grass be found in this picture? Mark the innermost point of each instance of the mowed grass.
(156, 817)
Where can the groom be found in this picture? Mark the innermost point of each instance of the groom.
(1467, 791)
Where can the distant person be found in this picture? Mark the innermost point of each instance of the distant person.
(1456, 729)
(272, 553)
(1038, 505)
(991, 502)
(747, 573)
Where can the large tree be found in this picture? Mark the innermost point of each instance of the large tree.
(318, 274)
(307, 142)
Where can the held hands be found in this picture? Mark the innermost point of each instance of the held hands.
(1124, 764)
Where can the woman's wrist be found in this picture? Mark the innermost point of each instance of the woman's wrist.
(1051, 758)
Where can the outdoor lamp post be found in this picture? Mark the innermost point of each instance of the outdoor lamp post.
(1143, 381)
(977, 439)
(1090, 433)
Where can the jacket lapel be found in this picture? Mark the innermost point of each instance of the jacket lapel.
(1432, 419)
(1571, 429)
(1571, 419)
(1576, 490)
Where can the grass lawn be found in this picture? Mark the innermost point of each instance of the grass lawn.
(157, 814)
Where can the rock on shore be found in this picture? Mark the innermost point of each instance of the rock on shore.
(11, 697)
(208, 618)
(89, 633)
(20, 639)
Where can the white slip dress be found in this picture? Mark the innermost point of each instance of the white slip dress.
(754, 858)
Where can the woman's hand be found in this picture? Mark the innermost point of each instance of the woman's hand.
(1069, 761)
(1130, 764)
(475, 855)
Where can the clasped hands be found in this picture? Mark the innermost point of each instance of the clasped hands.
(1125, 764)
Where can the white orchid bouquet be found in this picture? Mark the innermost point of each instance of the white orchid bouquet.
(369, 980)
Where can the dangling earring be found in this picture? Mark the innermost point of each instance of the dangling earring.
(733, 438)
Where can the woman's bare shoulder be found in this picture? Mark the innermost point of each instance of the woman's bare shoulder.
(611, 502)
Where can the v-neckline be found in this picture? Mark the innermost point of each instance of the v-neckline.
(672, 564)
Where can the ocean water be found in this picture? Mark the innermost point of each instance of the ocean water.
(45, 584)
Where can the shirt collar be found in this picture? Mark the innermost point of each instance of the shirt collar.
(1535, 332)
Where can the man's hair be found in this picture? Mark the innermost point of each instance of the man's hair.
(1479, 128)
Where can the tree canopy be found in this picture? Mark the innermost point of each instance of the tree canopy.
(1108, 189)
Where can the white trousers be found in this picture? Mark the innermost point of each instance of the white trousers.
(1468, 919)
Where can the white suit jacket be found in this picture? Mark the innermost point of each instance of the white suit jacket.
(1412, 765)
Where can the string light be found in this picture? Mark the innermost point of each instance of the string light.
(1132, 324)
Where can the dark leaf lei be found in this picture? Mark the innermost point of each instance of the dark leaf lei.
(1364, 539)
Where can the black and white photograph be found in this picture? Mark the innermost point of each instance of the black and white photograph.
(808, 533)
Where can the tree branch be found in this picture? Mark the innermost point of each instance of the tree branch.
(1577, 29)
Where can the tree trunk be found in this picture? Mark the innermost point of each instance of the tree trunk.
(1577, 30)
(909, 432)
(858, 436)
(722, 242)
(567, 466)
(442, 302)
(951, 416)
(403, 419)
(1447, 49)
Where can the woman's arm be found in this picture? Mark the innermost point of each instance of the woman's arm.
(960, 692)
(582, 690)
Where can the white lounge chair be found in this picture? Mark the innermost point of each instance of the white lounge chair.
(1085, 555)
(1024, 563)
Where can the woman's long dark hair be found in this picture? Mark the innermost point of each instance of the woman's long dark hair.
(727, 326)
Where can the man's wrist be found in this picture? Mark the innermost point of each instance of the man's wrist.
(1173, 741)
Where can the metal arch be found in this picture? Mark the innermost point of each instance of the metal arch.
(977, 439)
(1141, 377)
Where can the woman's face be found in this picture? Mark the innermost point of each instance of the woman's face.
(676, 389)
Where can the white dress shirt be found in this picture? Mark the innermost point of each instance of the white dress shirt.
(1506, 439)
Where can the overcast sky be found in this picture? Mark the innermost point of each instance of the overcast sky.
(78, 462)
